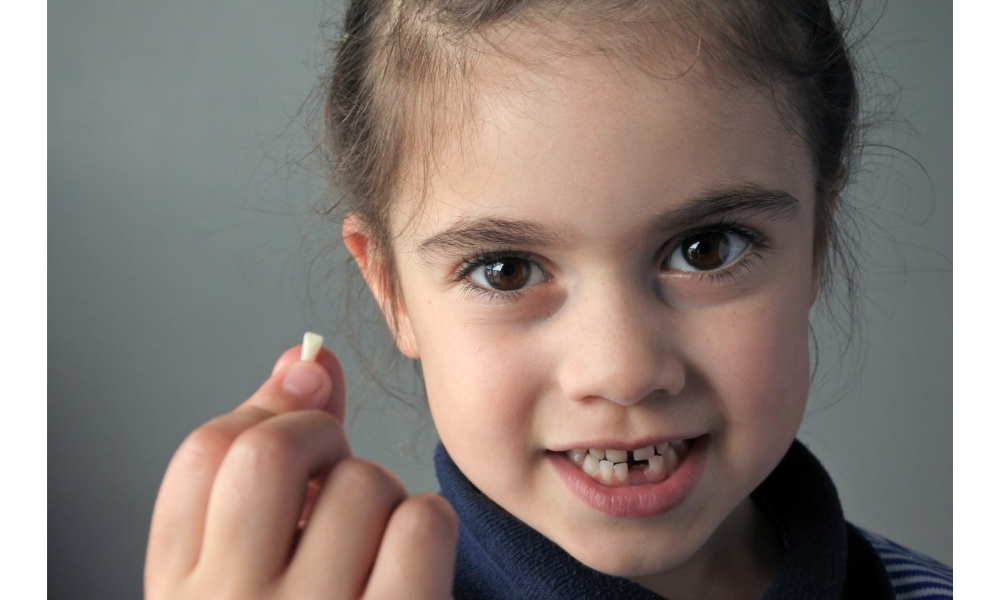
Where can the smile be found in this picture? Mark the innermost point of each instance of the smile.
(612, 467)
(638, 483)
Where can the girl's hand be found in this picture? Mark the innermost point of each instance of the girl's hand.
(268, 502)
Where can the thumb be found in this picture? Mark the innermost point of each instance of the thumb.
(300, 385)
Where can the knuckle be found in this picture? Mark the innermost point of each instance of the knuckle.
(207, 443)
(265, 448)
(368, 480)
(427, 516)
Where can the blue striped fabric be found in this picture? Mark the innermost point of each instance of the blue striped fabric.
(914, 576)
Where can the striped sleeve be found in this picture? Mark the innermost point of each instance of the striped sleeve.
(914, 576)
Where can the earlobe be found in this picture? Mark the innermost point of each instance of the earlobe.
(393, 308)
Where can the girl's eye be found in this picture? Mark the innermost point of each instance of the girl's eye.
(508, 274)
(707, 251)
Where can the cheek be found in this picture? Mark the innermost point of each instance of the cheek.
(755, 361)
(481, 384)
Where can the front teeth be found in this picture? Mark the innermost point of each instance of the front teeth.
(607, 470)
(608, 464)
(643, 453)
(671, 458)
(656, 465)
(616, 456)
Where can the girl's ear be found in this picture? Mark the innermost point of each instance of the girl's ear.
(393, 308)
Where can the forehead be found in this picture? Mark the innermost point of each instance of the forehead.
(585, 146)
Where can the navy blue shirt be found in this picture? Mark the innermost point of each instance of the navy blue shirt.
(823, 556)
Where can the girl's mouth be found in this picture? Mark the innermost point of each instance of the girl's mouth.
(616, 468)
(638, 483)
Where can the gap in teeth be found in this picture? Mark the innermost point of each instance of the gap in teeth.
(608, 463)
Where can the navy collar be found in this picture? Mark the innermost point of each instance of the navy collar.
(825, 558)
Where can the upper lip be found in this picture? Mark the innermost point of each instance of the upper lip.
(607, 443)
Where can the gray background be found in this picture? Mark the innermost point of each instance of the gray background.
(178, 246)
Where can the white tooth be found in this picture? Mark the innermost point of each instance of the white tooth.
(616, 456)
(643, 453)
(680, 446)
(671, 459)
(311, 344)
(591, 466)
(656, 465)
(596, 453)
(607, 470)
(577, 455)
(661, 449)
(621, 472)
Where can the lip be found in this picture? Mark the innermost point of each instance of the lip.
(636, 501)
(629, 446)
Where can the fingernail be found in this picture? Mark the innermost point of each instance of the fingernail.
(303, 379)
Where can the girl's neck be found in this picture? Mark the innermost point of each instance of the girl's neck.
(738, 562)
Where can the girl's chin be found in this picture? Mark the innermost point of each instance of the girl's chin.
(629, 553)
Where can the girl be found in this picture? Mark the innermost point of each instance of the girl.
(600, 227)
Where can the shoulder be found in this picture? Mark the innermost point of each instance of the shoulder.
(914, 576)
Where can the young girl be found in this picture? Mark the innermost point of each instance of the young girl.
(600, 227)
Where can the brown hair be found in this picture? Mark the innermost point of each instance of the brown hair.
(402, 65)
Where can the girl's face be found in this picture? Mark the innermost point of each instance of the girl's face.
(615, 265)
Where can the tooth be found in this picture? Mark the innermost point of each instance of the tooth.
(671, 459)
(681, 446)
(311, 345)
(621, 472)
(661, 449)
(596, 453)
(656, 465)
(607, 470)
(577, 455)
(616, 456)
(590, 465)
(643, 453)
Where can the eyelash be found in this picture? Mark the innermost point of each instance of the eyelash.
(485, 257)
(756, 240)
(733, 272)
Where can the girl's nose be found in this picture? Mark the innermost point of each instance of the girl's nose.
(617, 347)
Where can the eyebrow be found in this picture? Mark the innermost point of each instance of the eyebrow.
(747, 200)
(489, 232)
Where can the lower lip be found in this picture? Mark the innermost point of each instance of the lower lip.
(636, 501)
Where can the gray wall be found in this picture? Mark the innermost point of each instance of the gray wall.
(177, 270)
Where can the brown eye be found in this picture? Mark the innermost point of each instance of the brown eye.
(707, 251)
(508, 274)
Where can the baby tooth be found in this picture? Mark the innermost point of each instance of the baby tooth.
(643, 453)
(577, 455)
(591, 466)
(681, 446)
(661, 449)
(311, 345)
(621, 472)
(607, 470)
(656, 465)
(671, 459)
(617, 456)
(596, 453)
